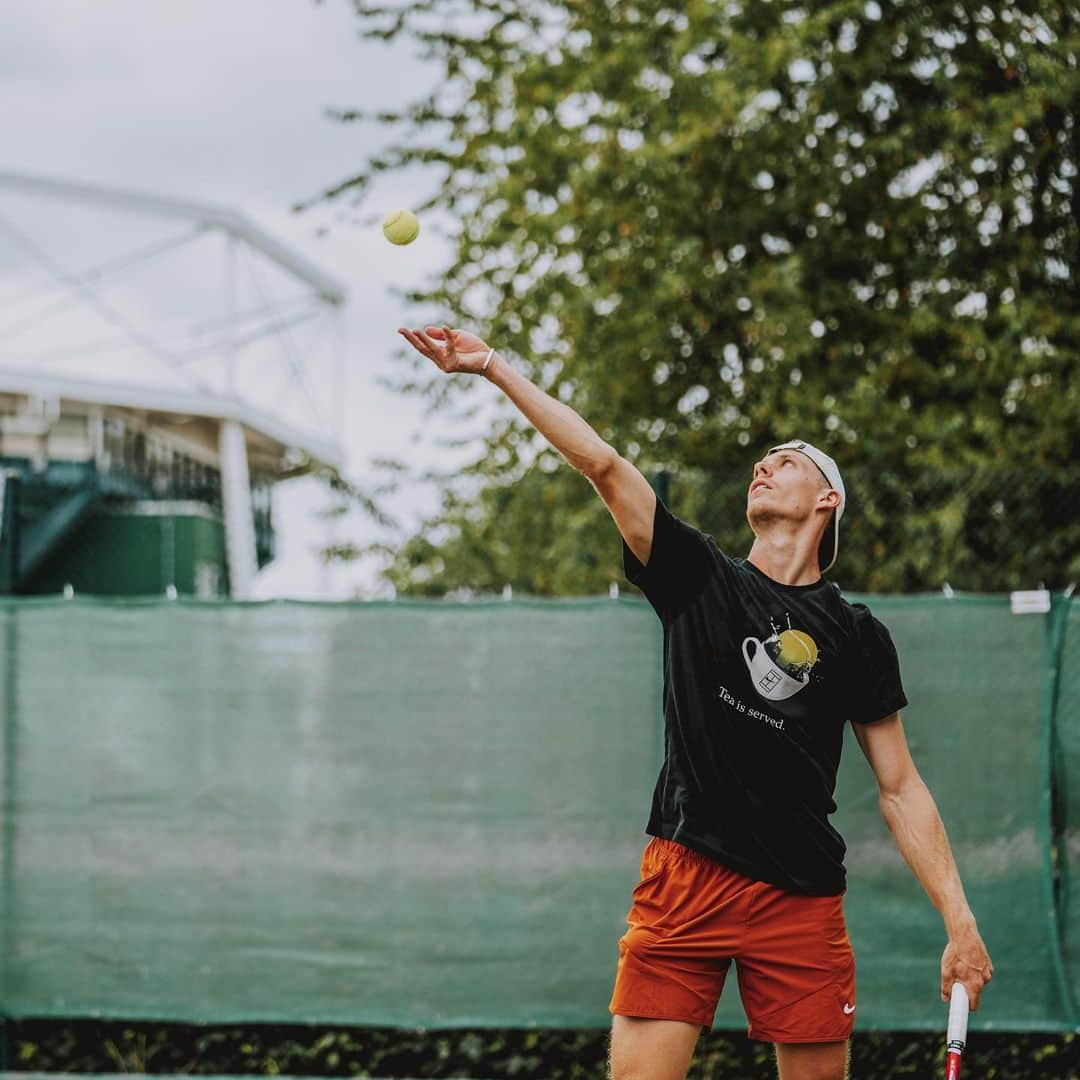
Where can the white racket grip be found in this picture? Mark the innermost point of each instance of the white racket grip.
(956, 1036)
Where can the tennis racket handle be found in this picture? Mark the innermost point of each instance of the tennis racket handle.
(958, 1018)
(956, 1036)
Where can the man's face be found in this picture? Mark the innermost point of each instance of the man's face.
(785, 484)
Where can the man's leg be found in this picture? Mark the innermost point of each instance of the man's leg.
(812, 1061)
(651, 1049)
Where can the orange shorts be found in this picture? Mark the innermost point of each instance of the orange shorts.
(691, 916)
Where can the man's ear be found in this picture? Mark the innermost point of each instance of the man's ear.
(830, 498)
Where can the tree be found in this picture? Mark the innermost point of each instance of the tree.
(710, 227)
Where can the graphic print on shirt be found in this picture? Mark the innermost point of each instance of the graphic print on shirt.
(780, 665)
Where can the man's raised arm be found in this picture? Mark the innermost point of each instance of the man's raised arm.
(624, 490)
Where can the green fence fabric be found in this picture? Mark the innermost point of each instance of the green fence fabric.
(431, 814)
(377, 814)
(978, 732)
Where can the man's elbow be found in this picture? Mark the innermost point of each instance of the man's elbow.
(900, 793)
(597, 469)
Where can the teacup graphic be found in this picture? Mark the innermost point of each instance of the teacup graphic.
(769, 680)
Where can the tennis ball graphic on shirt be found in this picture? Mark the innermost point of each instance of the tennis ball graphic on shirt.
(797, 647)
(794, 651)
(780, 665)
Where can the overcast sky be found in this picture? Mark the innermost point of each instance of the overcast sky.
(222, 103)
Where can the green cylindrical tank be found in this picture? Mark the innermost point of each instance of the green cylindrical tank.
(140, 549)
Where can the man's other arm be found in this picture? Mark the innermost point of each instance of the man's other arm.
(625, 491)
(913, 819)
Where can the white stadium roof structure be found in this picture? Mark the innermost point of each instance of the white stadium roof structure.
(183, 316)
(166, 349)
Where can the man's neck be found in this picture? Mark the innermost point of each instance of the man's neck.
(788, 560)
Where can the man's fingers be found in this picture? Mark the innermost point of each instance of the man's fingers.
(974, 987)
(434, 346)
(410, 337)
(427, 347)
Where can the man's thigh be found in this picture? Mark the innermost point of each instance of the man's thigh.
(797, 970)
(644, 1049)
(812, 1061)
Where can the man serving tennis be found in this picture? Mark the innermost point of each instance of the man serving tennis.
(764, 664)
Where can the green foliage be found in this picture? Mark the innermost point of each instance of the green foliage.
(69, 1046)
(709, 227)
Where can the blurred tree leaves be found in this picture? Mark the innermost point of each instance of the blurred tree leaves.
(712, 226)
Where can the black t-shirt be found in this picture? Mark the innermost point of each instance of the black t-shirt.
(759, 680)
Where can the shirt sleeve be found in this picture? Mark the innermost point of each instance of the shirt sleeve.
(878, 691)
(679, 563)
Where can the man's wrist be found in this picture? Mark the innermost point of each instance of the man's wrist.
(960, 924)
(494, 361)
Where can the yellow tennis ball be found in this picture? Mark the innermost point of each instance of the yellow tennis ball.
(400, 227)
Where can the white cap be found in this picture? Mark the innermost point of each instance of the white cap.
(830, 541)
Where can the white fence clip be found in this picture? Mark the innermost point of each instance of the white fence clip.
(1030, 601)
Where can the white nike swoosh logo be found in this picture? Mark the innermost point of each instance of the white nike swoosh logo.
(849, 1009)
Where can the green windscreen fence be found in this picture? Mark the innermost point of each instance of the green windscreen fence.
(431, 814)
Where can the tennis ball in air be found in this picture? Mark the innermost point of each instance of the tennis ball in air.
(400, 227)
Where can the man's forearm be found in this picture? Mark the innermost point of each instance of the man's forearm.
(557, 422)
(914, 821)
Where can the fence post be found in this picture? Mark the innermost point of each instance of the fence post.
(9, 666)
(10, 486)
(1055, 643)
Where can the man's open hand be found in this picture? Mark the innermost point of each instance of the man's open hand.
(451, 350)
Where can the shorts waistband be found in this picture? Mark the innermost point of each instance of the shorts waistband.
(672, 849)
